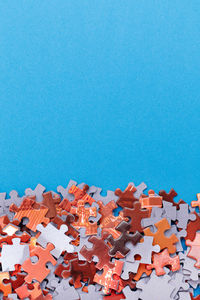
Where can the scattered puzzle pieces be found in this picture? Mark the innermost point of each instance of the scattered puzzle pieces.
(78, 244)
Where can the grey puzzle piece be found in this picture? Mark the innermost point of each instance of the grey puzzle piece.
(156, 215)
(158, 287)
(169, 211)
(188, 266)
(129, 267)
(184, 296)
(4, 206)
(131, 295)
(144, 249)
(64, 291)
(37, 192)
(92, 294)
(84, 241)
(140, 189)
(13, 254)
(105, 199)
(183, 216)
(51, 277)
(50, 234)
(13, 296)
(14, 198)
(193, 283)
(178, 280)
(65, 191)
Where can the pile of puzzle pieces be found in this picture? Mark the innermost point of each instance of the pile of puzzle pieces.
(77, 244)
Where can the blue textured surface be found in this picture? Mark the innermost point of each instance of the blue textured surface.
(105, 92)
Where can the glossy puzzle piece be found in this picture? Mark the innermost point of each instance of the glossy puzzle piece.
(152, 200)
(106, 278)
(169, 197)
(136, 214)
(196, 203)
(84, 213)
(38, 270)
(65, 191)
(194, 251)
(80, 271)
(193, 227)
(160, 238)
(163, 259)
(99, 249)
(80, 194)
(126, 198)
(6, 289)
(27, 210)
(119, 244)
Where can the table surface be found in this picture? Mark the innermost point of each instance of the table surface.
(105, 92)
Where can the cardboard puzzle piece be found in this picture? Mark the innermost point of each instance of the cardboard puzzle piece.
(104, 199)
(193, 227)
(131, 295)
(57, 237)
(80, 194)
(183, 216)
(14, 254)
(157, 288)
(144, 249)
(91, 294)
(129, 267)
(196, 203)
(178, 280)
(156, 216)
(64, 291)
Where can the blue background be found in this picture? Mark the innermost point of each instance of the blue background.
(105, 92)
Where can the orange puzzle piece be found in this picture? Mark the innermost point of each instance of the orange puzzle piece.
(160, 238)
(162, 259)
(33, 211)
(84, 213)
(195, 249)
